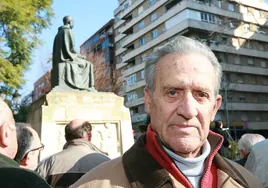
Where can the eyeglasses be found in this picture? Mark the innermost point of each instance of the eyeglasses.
(41, 148)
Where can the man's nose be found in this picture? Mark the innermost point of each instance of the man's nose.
(187, 107)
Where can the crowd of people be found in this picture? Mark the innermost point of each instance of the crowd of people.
(178, 149)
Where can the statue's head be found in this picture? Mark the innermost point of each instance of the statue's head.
(68, 20)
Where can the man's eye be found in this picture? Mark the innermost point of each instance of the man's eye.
(172, 93)
(202, 94)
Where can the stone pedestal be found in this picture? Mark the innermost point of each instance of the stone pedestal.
(111, 123)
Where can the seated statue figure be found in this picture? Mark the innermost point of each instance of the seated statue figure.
(70, 69)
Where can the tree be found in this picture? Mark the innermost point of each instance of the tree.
(21, 22)
(107, 78)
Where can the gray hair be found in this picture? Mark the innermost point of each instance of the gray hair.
(247, 141)
(25, 139)
(180, 45)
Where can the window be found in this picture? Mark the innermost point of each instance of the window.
(141, 25)
(131, 96)
(242, 98)
(154, 33)
(263, 64)
(211, 18)
(142, 41)
(236, 60)
(250, 61)
(151, 2)
(256, 13)
(140, 9)
(143, 57)
(153, 17)
(239, 79)
(204, 17)
(126, 6)
(219, 3)
(243, 9)
(131, 80)
(246, 27)
(142, 74)
(231, 7)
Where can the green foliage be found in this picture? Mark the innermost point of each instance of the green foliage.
(233, 152)
(21, 22)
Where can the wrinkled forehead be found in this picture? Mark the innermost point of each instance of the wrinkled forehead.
(5, 113)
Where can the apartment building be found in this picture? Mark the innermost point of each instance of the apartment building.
(42, 86)
(101, 41)
(237, 32)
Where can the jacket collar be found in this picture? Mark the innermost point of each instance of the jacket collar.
(7, 162)
(143, 170)
(84, 143)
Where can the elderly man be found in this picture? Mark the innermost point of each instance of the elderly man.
(178, 150)
(246, 142)
(11, 175)
(257, 161)
(78, 156)
(29, 146)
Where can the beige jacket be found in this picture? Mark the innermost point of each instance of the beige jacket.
(66, 167)
(137, 168)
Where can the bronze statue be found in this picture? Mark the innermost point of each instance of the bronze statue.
(70, 69)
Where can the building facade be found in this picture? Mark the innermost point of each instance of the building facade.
(237, 32)
(42, 86)
(101, 42)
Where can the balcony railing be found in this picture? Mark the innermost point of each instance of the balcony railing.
(134, 102)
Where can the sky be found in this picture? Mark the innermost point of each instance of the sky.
(89, 16)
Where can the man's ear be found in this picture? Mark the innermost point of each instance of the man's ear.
(25, 160)
(148, 100)
(216, 107)
(4, 134)
(89, 135)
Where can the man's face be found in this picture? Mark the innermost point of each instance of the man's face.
(36, 147)
(183, 103)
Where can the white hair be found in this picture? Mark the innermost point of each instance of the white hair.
(247, 141)
(180, 45)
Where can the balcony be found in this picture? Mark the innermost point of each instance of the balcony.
(119, 37)
(166, 35)
(131, 8)
(136, 102)
(120, 51)
(121, 1)
(239, 106)
(138, 118)
(117, 10)
(118, 23)
(135, 86)
(120, 65)
(260, 125)
(160, 20)
(134, 69)
(226, 13)
(244, 69)
(145, 13)
(248, 88)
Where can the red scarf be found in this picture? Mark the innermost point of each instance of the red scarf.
(209, 179)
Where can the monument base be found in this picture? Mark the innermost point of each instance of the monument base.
(110, 120)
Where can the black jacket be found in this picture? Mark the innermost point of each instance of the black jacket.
(12, 176)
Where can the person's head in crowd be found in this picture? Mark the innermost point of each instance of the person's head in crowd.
(29, 146)
(218, 124)
(247, 141)
(78, 129)
(8, 136)
(182, 94)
